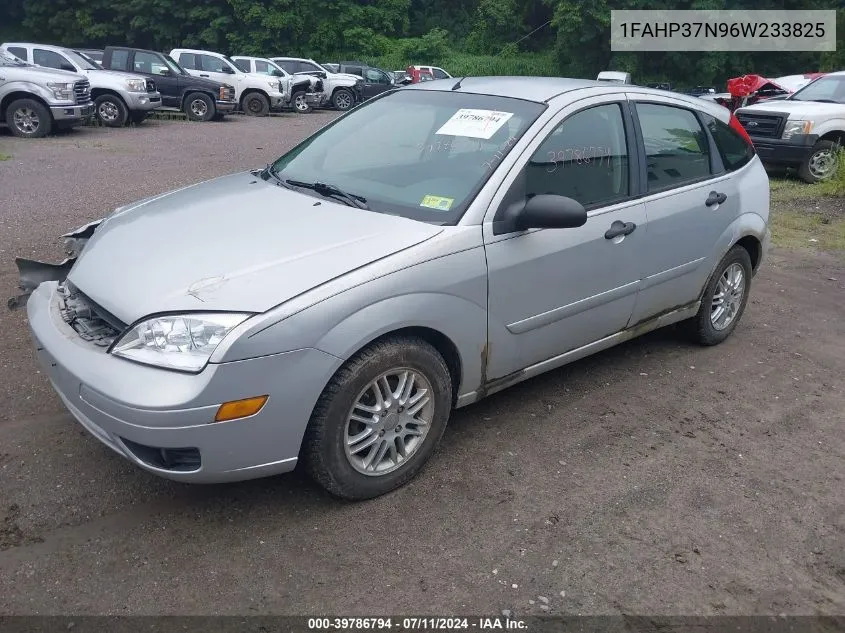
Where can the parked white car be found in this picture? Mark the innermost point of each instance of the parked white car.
(256, 94)
(303, 92)
(436, 71)
(343, 90)
(804, 131)
(118, 96)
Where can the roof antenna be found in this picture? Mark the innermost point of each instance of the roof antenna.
(546, 23)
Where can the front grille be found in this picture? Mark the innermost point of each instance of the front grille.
(82, 91)
(762, 125)
(93, 323)
(151, 85)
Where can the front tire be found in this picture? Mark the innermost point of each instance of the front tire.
(343, 99)
(821, 164)
(28, 118)
(379, 419)
(300, 103)
(256, 104)
(111, 111)
(199, 107)
(724, 299)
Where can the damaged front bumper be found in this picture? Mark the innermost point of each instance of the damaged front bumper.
(32, 272)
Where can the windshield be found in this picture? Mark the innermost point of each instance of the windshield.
(232, 64)
(830, 88)
(7, 59)
(81, 61)
(171, 63)
(420, 154)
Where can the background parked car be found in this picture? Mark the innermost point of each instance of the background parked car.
(199, 98)
(118, 96)
(434, 71)
(301, 92)
(417, 75)
(375, 79)
(35, 100)
(256, 94)
(91, 53)
(343, 90)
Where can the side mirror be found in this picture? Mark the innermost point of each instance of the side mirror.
(164, 71)
(544, 211)
(277, 73)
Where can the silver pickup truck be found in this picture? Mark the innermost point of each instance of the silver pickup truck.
(34, 100)
(118, 96)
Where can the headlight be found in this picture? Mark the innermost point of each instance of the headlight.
(796, 127)
(183, 342)
(62, 91)
(136, 85)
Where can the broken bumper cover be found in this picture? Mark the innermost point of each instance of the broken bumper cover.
(32, 272)
(163, 421)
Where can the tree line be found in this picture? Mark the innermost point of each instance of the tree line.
(568, 37)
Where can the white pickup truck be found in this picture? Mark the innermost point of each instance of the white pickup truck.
(804, 131)
(344, 91)
(256, 94)
(302, 92)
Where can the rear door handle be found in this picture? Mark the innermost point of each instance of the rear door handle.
(201, 75)
(619, 228)
(715, 198)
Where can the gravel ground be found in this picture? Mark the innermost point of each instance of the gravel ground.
(654, 478)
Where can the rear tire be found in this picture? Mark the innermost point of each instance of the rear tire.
(821, 164)
(111, 111)
(255, 104)
(300, 103)
(199, 107)
(343, 99)
(338, 461)
(28, 118)
(728, 289)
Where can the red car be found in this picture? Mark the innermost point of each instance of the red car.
(750, 89)
(417, 75)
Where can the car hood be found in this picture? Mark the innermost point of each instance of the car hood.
(119, 74)
(233, 243)
(798, 109)
(48, 74)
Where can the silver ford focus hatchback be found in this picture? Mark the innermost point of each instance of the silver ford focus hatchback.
(334, 307)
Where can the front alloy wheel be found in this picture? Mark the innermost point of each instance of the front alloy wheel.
(379, 418)
(389, 421)
(27, 121)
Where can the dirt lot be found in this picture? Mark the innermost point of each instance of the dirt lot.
(655, 478)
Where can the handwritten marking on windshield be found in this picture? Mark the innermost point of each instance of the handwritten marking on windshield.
(579, 155)
(500, 153)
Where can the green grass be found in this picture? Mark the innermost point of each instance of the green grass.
(5, 156)
(809, 216)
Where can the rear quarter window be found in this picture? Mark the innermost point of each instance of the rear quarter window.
(119, 60)
(733, 149)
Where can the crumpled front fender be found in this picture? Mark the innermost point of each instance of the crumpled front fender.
(32, 272)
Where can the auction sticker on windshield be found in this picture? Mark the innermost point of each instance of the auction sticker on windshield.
(437, 202)
(474, 123)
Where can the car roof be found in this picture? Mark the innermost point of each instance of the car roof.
(44, 46)
(544, 89)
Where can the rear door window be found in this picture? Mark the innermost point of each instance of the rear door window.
(19, 52)
(676, 146)
(119, 59)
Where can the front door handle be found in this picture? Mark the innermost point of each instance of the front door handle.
(715, 197)
(201, 75)
(619, 228)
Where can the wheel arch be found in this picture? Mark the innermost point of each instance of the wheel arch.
(836, 136)
(96, 93)
(20, 94)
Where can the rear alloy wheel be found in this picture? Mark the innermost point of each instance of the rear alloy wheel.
(300, 103)
(199, 107)
(28, 118)
(379, 419)
(821, 164)
(111, 111)
(256, 104)
(343, 99)
(724, 299)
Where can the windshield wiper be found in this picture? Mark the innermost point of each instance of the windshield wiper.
(325, 189)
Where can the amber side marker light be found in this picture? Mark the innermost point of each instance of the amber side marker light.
(240, 408)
